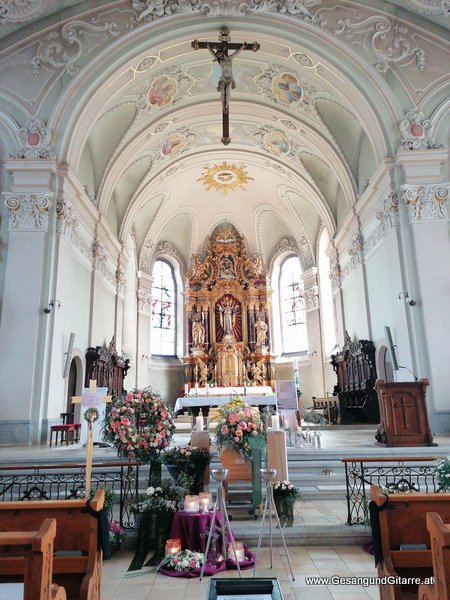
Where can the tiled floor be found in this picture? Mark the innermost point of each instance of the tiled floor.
(314, 561)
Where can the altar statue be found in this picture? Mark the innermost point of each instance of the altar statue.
(198, 332)
(227, 317)
(261, 332)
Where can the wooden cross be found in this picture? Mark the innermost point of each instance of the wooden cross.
(226, 83)
(89, 399)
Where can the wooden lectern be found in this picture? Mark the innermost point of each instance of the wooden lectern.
(403, 414)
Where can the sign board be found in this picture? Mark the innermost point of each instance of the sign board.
(286, 392)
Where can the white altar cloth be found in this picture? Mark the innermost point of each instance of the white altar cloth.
(222, 400)
(254, 390)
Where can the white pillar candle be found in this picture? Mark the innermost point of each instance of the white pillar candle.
(207, 388)
(186, 389)
(205, 500)
(191, 504)
(196, 387)
(275, 421)
(199, 423)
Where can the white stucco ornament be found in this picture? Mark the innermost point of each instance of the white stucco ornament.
(28, 212)
(416, 132)
(20, 11)
(35, 140)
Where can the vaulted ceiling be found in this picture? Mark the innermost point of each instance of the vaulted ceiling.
(305, 137)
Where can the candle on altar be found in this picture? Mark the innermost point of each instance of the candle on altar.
(186, 389)
(207, 388)
(191, 504)
(275, 421)
(205, 500)
(196, 388)
(240, 552)
(198, 423)
(173, 546)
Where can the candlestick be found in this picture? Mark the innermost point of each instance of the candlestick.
(240, 552)
(275, 422)
(173, 546)
(191, 504)
(207, 389)
(196, 388)
(186, 389)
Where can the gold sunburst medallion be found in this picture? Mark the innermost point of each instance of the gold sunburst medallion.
(224, 177)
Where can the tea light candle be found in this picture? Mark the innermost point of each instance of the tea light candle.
(198, 423)
(186, 389)
(240, 552)
(275, 421)
(205, 500)
(173, 546)
(191, 504)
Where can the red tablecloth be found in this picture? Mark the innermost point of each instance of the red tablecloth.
(188, 527)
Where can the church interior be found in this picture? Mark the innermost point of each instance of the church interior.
(210, 197)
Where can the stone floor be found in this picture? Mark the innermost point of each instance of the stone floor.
(317, 561)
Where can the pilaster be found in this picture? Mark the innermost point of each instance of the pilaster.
(25, 328)
(144, 316)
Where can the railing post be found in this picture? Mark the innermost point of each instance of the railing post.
(363, 479)
(348, 495)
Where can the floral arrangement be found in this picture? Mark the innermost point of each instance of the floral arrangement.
(162, 498)
(442, 472)
(138, 425)
(183, 455)
(184, 561)
(238, 422)
(116, 532)
(283, 489)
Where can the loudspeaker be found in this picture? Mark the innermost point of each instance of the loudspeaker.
(68, 355)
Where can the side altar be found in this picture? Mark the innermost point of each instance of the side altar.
(227, 302)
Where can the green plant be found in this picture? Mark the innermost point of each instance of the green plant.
(185, 455)
(164, 497)
(110, 497)
(442, 473)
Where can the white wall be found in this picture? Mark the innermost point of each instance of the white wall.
(73, 292)
(354, 306)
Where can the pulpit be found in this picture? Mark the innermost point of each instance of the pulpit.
(403, 414)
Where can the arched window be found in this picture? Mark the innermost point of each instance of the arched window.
(162, 338)
(292, 307)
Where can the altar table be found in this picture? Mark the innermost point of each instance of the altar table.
(253, 400)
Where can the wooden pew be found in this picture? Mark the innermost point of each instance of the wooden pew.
(77, 562)
(35, 549)
(440, 551)
(403, 522)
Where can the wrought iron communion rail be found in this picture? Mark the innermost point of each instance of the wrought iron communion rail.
(401, 474)
(67, 481)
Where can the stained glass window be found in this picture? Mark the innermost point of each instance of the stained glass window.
(292, 307)
(162, 339)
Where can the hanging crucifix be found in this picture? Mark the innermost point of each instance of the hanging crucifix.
(226, 82)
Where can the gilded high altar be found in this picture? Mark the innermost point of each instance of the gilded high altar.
(227, 305)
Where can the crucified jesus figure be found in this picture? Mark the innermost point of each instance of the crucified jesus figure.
(226, 82)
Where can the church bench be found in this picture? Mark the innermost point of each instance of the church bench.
(34, 549)
(77, 561)
(404, 538)
(440, 550)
